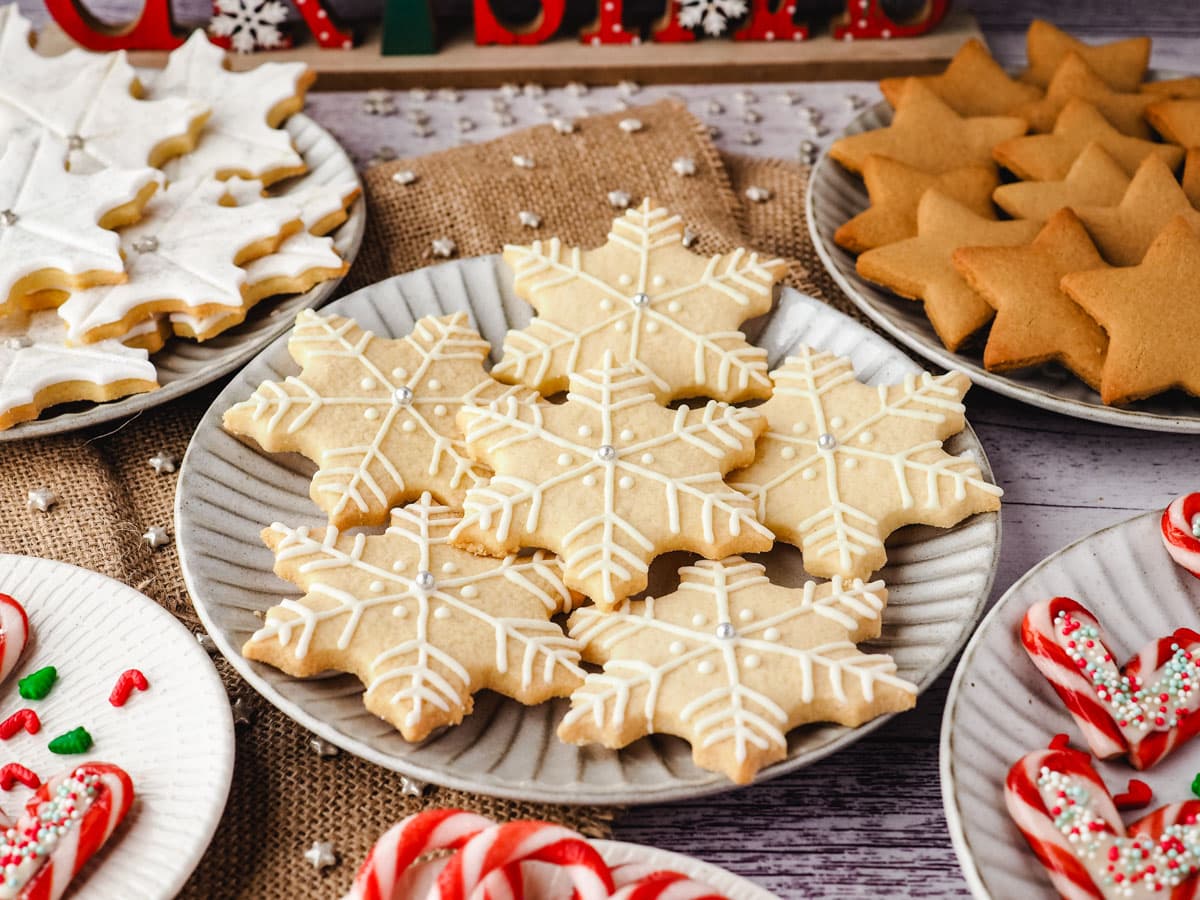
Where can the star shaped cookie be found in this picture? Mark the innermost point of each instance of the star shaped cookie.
(731, 663)
(1148, 352)
(1093, 179)
(1122, 64)
(1035, 321)
(642, 296)
(423, 625)
(973, 84)
(895, 190)
(843, 465)
(1124, 232)
(609, 480)
(1177, 120)
(928, 135)
(376, 415)
(921, 268)
(1075, 78)
(1048, 157)
(1188, 86)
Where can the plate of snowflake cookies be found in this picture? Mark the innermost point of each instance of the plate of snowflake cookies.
(1068, 757)
(595, 595)
(116, 729)
(145, 218)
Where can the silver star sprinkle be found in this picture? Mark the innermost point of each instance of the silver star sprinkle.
(745, 96)
(621, 104)
(505, 119)
(8, 217)
(404, 177)
(521, 161)
(417, 116)
(207, 644)
(714, 107)
(789, 98)
(714, 131)
(510, 90)
(321, 855)
(382, 155)
(20, 342)
(855, 102)
(418, 94)
(379, 103)
(576, 88)
(753, 116)
(529, 219)
(751, 138)
(757, 194)
(464, 125)
(563, 126)
(684, 165)
(449, 95)
(628, 88)
(74, 142)
(534, 89)
(323, 748)
(808, 152)
(241, 712)
(411, 787)
(811, 113)
(689, 237)
(619, 199)
(41, 499)
(629, 126)
(548, 110)
(443, 247)
(163, 462)
(156, 536)
(423, 131)
(147, 244)
(498, 104)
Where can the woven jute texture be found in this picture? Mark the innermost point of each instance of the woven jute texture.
(284, 796)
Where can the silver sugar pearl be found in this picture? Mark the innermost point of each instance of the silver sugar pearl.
(827, 441)
(411, 787)
(74, 142)
(323, 748)
(148, 244)
(606, 453)
(8, 217)
(425, 581)
(405, 177)
(402, 396)
(640, 299)
(689, 237)
(725, 631)
(20, 342)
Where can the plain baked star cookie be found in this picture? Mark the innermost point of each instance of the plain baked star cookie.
(731, 663)
(1152, 315)
(55, 226)
(1094, 178)
(1122, 64)
(642, 296)
(1177, 120)
(973, 84)
(423, 625)
(842, 465)
(242, 136)
(376, 415)
(610, 479)
(1075, 78)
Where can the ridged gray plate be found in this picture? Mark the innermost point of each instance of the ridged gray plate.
(175, 740)
(1000, 707)
(835, 195)
(184, 365)
(229, 491)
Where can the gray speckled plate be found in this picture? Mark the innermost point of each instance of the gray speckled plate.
(835, 195)
(184, 365)
(938, 580)
(1000, 707)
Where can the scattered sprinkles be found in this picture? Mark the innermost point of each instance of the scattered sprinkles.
(156, 536)
(126, 683)
(162, 462)
(11, 774)
(757, 194)
(25, 719)
(41, 500)
(36, 685)
(77, 740)
(405, 177)
(630, 126)
(321, 855)
(619, 199)
(529, 219)
(684, 166)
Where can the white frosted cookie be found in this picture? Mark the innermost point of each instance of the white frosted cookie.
(25, 67)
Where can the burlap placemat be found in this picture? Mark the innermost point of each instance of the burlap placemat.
(284, 796)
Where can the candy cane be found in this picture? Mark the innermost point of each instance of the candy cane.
(14, 773)
(1181, 532)
(128, 680)
(638, 881)
(25, 719)
(14, 633)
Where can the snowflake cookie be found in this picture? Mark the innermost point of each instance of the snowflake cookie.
(642, 296)
(422, 624)
(376, 415)
(610, 479)
(731, 663)
(843, 465)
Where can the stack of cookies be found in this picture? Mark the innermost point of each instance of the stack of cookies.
(1089, 258)
(446, 600)
(131, 212)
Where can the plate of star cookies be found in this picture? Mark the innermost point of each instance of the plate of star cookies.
(1037, 231)
(558, 556)
(157, 229)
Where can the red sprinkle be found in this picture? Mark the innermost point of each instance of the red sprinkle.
(1060, 742)
(130, 679)
(1136, 796)
(22, 718)
(14, 772)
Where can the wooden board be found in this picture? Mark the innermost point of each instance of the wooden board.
(462, 64)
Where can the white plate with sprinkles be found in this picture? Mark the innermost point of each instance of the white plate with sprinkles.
(174, 739)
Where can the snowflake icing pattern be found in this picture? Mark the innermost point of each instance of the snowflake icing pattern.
(731, 662)
(376, 415)
(843, 465)
(250, 25)
(713, 16)
(642, 296)
(407, 613)
(610, 479)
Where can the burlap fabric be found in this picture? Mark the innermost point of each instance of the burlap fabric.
(284, 796)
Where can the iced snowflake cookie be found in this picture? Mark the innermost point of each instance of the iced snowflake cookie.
(242, 136)
(642, 296)
(731, 663)
(422, 624)
(55, 226)
(843, 465)
(376, 415)
(38, 370)
(610, 479)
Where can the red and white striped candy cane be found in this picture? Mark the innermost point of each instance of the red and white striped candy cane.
(639, 881)
(508, 845)
(1152, 745)
(1181, 532)
(14, 634)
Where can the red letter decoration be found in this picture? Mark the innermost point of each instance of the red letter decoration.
(150, 31)
(317, 18)
(408, 28)
(489, 30)
(667, 30)
(609, 26)
(765, 25)
(867, 19)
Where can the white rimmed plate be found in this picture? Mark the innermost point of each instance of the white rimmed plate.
(835, 195)
(185, 365)
(1000, 707)
(175, 740)
(938, 580)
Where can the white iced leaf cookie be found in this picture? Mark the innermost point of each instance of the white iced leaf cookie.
(242, 136)
(731, 663)
(610, 479)
(842, 465)
(38, 370)
(423, 625)
(24, 67)
(55, 225)
(642, 296)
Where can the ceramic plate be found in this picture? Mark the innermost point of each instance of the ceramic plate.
(544, 882)
(835, 195)
(229, 491)
(175, 740)
(184, 365)
(1000, 707)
